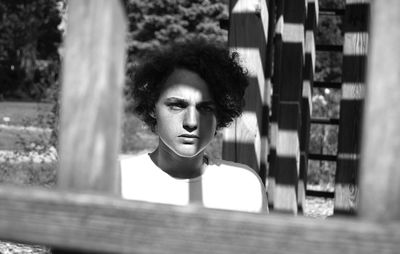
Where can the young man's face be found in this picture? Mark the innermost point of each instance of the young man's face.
(185, 114)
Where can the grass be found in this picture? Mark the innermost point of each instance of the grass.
(23, 136)
(23, 113)
(18, 140)
(23, 123)
(28, 173)
(15, 138)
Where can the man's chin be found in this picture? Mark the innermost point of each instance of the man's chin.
(188, 154)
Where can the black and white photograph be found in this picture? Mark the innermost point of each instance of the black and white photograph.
(199, 126)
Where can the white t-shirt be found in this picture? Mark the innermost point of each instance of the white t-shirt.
(223, 185)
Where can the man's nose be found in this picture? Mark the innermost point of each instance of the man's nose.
(190, 120)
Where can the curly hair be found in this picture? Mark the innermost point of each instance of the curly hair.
(219, 68)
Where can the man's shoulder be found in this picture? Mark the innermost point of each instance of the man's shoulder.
(132, 160)
(133, 157)
(241, 181)
(230, 165)
(234, 170)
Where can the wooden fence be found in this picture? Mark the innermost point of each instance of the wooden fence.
(86, 214)
(351, 105)
(273, 135)
(246, 140)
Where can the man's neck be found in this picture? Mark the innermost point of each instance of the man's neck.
(178, 166)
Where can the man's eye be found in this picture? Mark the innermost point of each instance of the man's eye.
(208, 109)
(176, 106)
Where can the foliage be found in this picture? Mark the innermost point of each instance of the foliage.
(156, 23)
(338, 4)
(153, 24)
(28, 172)
(31, 159)
(29, 40)
(34, 165)
(330, 31)
(329, 64)
(324, 138)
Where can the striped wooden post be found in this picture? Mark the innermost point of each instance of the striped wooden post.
(290, 91)
(380, 175)
(246, 140)
(306, 103)
(266, 173)
(276, 80)
(353, 88)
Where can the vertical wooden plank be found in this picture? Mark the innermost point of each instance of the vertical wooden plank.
(276, 81)
(290, 91)
(380, 174)
(91, 108)
(266, 173)
(353, 89)
(91, 103)
(245, 140)
(306, 103)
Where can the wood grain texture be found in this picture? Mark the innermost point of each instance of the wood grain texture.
(355, 49)
(276, 85)
(97, 223)
(285, 198)
(290, 90)
(380, 174)
(244, 140)
(306, 101)
(346, 197)
(93, 77)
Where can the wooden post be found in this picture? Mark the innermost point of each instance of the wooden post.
(93, 78)
(245, 141)
(380, 175)
(91, 109)
(353, 89)
(276, 81)
(288, 147)
(266, 173)
(306, 103)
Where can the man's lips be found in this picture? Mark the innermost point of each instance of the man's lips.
(191, 136)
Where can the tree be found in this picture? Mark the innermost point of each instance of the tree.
(29, 40)
(153, 24)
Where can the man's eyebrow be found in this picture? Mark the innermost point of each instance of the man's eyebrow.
(174, 99)
(177, 99)
(207, 103)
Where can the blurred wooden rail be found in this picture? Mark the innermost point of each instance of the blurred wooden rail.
(99, 223)
(102, 222)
